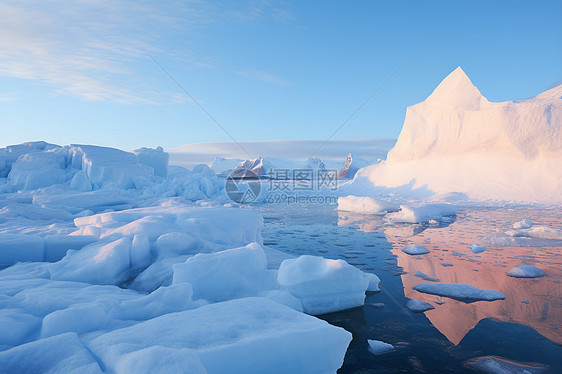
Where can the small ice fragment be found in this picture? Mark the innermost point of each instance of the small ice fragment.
(415, 249)
(525, 271)
(459, 291)
(379, 348)
(525, 224)
(477, 248)
(424, 276)
(418, 306)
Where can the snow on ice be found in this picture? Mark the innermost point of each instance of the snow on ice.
(525, 271)
(418, 306)
(365, 205)
(459, 291)
(415, 249)
(378, 347)
(106, 252)
(477, 248)
(458, 141)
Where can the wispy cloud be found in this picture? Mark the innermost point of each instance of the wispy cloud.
(264, 76)
(96, 50)
(90, 49)
(8, 96)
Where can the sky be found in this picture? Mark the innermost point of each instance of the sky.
(109, 72)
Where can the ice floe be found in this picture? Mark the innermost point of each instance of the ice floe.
(324, 285)
(415, 249)
(418, 306)
(366, 205)
(422, 213)
(378, 347)
(459, 291)
(477, 248)
(525, 271)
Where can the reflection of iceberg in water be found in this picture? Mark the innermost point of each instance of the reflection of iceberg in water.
(532, 302)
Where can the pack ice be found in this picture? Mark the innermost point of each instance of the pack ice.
(458, 141)
(113, 262)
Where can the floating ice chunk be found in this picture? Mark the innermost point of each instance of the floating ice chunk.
(322, 285)
(365, 205)
(539, 232)
(423, 213)
(459, 291)
(424, 276)
(156, 158)
(378, 347)
(418, 306)
(97, 263)
(231, 337)
(373, 282)
(500, 365)
(228, 274)
(63, 353)
(476, 248)
(415, 249)
(524, 224)
(525, 271)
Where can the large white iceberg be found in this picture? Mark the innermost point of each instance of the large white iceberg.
(457, 140)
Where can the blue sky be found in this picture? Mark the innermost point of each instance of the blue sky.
(81, 72)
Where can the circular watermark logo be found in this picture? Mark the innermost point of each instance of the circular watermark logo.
(242, 186)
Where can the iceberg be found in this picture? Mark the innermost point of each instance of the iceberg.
(458, 141)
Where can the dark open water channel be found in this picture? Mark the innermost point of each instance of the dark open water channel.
(525, 327)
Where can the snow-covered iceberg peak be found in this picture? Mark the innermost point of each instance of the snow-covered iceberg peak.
(458, 141)
(457, 90)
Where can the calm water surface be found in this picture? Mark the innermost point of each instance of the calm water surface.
(526, 326)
